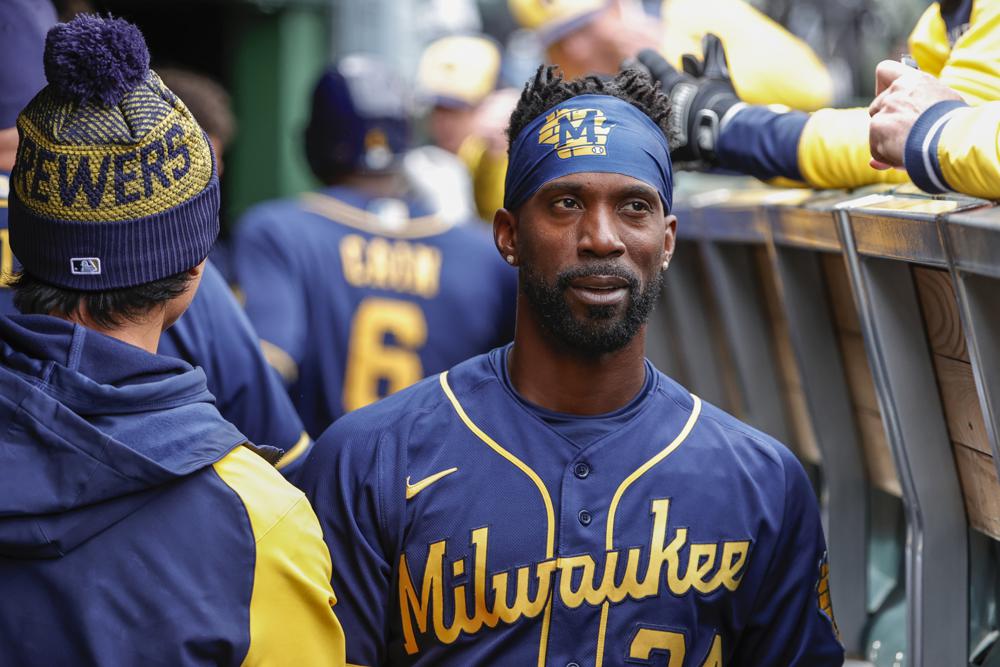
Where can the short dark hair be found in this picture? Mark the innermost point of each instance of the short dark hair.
(208, 102)
(548, 88)
(108, 308)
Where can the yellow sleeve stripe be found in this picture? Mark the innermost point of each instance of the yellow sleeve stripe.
(357, 218)
(292, 621)
(280, 361)
(300, 448)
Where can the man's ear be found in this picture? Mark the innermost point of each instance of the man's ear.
(197, 270)
(669, 238)
(505, 235)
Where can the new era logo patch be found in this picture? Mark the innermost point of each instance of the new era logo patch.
(85, 266)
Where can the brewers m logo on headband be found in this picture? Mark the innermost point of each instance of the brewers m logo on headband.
(576, 132)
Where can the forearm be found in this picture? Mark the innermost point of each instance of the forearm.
(762, 143)
(825, 149)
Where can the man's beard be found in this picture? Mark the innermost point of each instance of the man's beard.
(604, 328)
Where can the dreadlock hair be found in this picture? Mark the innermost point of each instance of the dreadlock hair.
(548, 88)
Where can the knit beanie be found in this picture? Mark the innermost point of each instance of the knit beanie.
(114, 184)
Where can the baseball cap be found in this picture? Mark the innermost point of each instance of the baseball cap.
(553, 19)
(458, 70)
(359, 118)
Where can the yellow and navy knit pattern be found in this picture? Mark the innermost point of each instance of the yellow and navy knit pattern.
(92, 163)
(114, 184)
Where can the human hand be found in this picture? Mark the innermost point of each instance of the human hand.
(700, 96)
(902, 94)
(492, 118)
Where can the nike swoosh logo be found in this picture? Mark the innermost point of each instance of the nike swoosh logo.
(414, 489)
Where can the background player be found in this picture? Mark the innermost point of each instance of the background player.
(559, 501)
(457, 78)
(214, 333)
(136, 524)
(356, 289)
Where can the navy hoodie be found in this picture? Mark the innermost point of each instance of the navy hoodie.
(215, 334)
(134, 526)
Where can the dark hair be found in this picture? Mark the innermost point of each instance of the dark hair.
(208, 101)
(109, 308)
(548, 89)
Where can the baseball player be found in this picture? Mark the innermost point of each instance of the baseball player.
(358, 290)
(559, 501)
(214, 333)
(137, 526)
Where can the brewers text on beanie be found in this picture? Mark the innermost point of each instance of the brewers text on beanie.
(114, 184)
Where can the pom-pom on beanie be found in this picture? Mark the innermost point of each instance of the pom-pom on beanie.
(114, 184)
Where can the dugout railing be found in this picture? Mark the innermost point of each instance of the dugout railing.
(863, 329)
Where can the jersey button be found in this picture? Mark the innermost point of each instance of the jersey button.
(585, 517)
(572, 664)
(581, 470)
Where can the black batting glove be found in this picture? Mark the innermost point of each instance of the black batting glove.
(700, 97)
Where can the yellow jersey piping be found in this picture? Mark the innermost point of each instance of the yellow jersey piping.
(609, 538)
(357, 218)
(295, 452)
(533, 476)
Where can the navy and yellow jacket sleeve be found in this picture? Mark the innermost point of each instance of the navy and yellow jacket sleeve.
(792, 623)
(955, 147)
(292, 617)
(266, 271)
(829, 148)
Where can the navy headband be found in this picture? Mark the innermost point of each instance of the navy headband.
(589, 133)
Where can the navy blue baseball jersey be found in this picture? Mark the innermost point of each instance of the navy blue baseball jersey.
(215, 334)
(6, 256)
(358, 297)
(470, 528)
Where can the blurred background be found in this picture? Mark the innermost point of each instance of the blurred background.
(260, 59)
(268, 53)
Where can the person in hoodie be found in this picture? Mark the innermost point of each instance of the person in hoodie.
(214, 332)
(137, 526)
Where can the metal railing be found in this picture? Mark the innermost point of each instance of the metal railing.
(863, 330)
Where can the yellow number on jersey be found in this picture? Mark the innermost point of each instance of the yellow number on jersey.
(6, 259)
(648, 640)
(370, 360)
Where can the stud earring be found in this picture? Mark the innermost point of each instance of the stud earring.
(510, 259)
